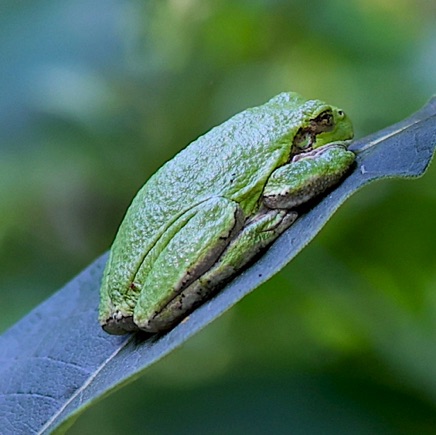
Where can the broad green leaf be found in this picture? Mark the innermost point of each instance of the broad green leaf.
(56, 361)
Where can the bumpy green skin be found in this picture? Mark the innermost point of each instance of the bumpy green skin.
(204, 214)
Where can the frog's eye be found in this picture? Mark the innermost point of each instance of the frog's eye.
(306, 136)
(325, 119)
(341, 114)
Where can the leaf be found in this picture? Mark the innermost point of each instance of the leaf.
(57, 360)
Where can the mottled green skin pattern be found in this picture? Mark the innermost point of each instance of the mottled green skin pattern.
(217, 183)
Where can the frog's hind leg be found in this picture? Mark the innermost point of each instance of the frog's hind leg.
(255, 236)
(188, 248)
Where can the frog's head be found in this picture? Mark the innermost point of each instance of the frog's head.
(322, 125)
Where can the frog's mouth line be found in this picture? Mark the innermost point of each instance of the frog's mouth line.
(306, 136)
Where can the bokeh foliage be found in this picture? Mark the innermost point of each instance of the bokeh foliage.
(98, 94)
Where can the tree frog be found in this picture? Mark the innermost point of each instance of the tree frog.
(207, 212)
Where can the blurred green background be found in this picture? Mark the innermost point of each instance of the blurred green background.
(97, 94)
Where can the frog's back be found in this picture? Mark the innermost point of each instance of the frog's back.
(232, 160)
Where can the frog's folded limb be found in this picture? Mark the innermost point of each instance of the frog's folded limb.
(258, 233)
(187, 249)
(307, 176)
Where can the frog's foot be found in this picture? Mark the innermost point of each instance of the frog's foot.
(185, 252)
(258, 233)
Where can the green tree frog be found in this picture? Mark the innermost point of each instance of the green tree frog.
(207, 212)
